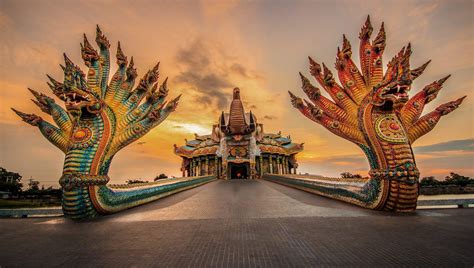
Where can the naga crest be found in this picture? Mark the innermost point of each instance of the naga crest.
(372, 109)
(130, 112)
(367, 86)
(99, 118)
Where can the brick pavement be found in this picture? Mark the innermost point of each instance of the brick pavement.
(244, 224)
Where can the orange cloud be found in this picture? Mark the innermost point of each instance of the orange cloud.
(227, 44)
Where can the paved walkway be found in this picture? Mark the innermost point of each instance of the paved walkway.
(247, 224)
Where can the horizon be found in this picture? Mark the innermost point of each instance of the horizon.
(207, 48)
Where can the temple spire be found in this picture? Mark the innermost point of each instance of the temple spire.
(237, 123)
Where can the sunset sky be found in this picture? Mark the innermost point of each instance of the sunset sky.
(207, 48)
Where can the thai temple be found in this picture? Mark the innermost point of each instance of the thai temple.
(238, 148)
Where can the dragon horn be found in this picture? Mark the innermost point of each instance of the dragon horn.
(164, 87)
(448, 107)
(379, 41)
(100, 39)
(366, 30)
(43, 107)
(53, 81)
(314, 67)
(442, 80)
(87, 44)
(35, 93)
(31, 119)
(121, 58)
(418, 71)
(156, 68)
(20, 114)
(296, 101)
(177, 98)
(460, 100)
(346, 46)
(68, 61)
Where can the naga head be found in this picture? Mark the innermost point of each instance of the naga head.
(372, 109)
(367, 105)
(98, 111)
(392, 91)
(78, 97)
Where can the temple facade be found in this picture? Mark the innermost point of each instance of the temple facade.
(238, 148)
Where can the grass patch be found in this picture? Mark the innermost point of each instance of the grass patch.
(28, 203)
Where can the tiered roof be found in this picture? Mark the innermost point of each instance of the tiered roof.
(237, 122)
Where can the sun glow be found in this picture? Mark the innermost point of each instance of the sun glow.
(192, 128)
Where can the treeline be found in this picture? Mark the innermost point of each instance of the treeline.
(452, 179)
(135, 181)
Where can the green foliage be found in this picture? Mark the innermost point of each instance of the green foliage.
(452, 179)
(348, 175)
(456, 179)
(161, 176)
(28, 203)
(135, 181)
(429, 181)
(10, 181)
(33, 185)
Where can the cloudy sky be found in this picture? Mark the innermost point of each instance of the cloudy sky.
(208, 47)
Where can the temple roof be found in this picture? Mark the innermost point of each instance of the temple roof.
(236, 123)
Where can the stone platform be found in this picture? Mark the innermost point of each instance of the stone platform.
(244, 223)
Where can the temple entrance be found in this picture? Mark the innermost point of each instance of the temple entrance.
(239, 171)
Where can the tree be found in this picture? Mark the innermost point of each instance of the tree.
(10, 181)
(33, 185)
(429, 181)
(456, 179)
(160, 177)
(136, 181)
(348, 175)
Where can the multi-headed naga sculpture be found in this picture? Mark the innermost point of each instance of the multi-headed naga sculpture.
(101, 118)
(372, 110)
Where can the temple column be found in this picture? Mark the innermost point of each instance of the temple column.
(183, 167)
(216, 165)
(261, 165)
(203, 167)
(278, 164)
(286, 164)
(190, 172)
(270, 163)
(206, 166)
(195, 167)
(198, 168)
(283, 164)
(191, 167)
